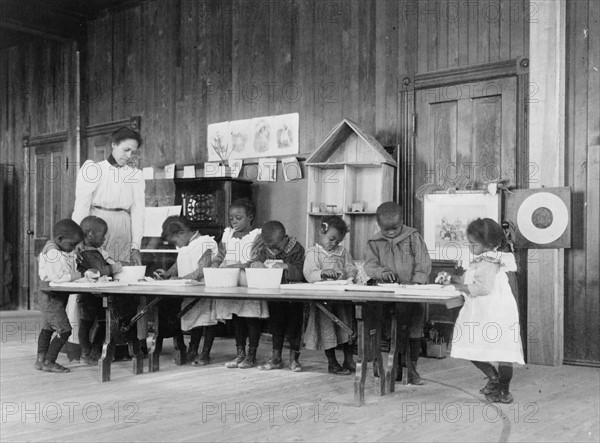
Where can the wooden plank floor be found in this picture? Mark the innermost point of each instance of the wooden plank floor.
(218, 404)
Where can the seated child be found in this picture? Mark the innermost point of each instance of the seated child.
(57, 263)
(398, 254)
(236, 251)
(93, 257)
(285, 318)
(330, 260)
(194, 253)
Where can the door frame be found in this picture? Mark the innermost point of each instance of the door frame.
(28, 263)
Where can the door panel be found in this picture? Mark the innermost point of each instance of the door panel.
(466, 136)
(46, 203)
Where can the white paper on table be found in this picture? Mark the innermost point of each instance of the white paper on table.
(189, 171)
(155, 216)
(170, 171)
(148, 173)
(267, 169)
(291, 169)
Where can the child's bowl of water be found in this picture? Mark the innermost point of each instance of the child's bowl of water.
(221, 277)
(264, 278)
(131, 273)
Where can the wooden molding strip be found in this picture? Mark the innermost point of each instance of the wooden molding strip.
(108, 128)
(45, 139)
(445, 77)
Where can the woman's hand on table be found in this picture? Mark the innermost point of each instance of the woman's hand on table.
(258, 264)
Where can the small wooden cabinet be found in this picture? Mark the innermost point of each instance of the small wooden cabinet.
(349, 175)
(205, 201)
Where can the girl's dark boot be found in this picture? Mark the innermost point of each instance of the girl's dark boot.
(349, 358)
(195, 337)
(333, 367)
(415, 349)
(502, 394)
(295, 365)
(209, 337)
(492, 375)
(240, 357)
(275, 362)
(250, 360)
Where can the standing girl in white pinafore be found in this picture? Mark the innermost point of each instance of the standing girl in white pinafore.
(194, 253)
(487, 328)
(236, 251)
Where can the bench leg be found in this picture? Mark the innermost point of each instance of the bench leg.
(361, 364)
(108, 348)
(153, 352)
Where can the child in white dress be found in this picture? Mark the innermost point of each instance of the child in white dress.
(487, 328)
(194, 253)
(236, 251)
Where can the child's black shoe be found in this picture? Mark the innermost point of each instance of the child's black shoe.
(50, 366)
(490, 387)
(349, 365)
(202, 359)
(39, 363)
(337, 370)
(500, 396)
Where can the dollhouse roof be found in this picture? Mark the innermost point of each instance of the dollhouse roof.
(347, 143)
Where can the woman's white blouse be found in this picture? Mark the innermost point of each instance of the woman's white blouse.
(101, 184)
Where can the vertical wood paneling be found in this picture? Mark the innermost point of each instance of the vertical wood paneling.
(457, 34)
(582, 301)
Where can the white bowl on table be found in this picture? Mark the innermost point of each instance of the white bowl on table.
(130, 274)
(264, 278)
(221, 277)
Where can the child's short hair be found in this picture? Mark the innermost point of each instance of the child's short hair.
(246, 204)
(125, 133)
(272, 229)
(91, 223)
(334, 221)
(67, 228)
(388, 209)
(487, 232)
(173, 225)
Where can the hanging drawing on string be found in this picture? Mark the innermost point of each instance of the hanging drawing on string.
(251, 138)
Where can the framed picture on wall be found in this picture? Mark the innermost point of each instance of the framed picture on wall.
(445, 221)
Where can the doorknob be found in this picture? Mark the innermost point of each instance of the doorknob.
(29, 232)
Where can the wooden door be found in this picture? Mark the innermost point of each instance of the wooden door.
(466, 136)
(48, 183)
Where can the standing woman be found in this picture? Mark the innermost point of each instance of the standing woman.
(114, 190)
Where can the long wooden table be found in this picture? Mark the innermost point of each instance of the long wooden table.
(368, 302)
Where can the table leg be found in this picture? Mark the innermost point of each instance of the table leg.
(361, 364)
(108, 348)
(153, 352)
(375, 331)
(137, 357)
(390, 370)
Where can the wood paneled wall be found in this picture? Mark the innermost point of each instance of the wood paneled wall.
(184, 64)
(36, 87)
(582, 262)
